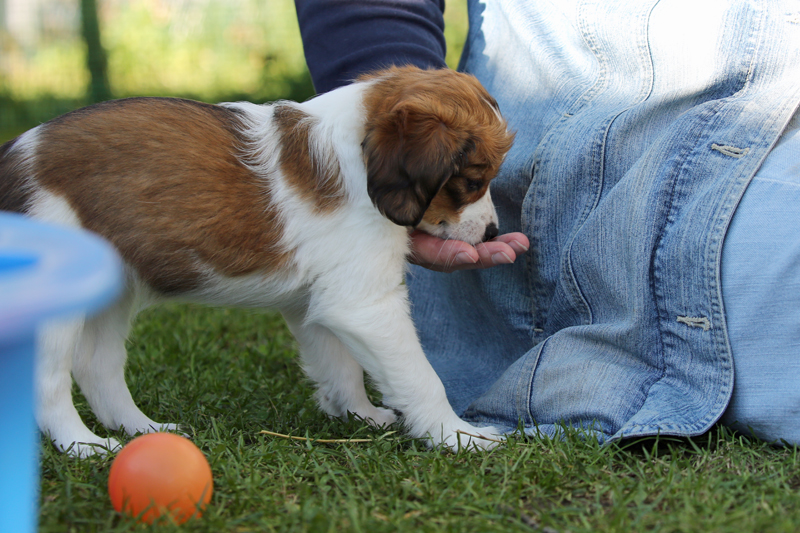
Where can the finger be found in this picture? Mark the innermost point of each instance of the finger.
(450, 256)
(437, 254)
(518, 241)
(495, 252)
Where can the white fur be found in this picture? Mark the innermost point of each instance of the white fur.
(48, 207)
(343, 298)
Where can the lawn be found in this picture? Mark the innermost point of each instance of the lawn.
(225, 375)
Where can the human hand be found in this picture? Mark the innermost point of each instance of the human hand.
(449, 255)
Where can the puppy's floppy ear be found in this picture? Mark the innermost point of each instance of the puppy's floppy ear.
(410, 154)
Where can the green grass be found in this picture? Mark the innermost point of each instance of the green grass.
(227, 374)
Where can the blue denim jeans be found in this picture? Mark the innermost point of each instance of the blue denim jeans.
(639, 127)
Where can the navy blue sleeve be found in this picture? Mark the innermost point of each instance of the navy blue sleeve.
(345, 38)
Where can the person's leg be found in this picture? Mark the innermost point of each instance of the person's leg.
(761, 291)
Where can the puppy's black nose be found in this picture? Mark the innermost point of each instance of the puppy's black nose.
(491, 232)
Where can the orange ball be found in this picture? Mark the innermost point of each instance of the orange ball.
(160, 474)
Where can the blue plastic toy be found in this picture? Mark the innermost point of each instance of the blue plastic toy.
(45, 272)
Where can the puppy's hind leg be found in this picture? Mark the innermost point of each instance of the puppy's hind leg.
(55, 411)
(99, 370)
(339, 378)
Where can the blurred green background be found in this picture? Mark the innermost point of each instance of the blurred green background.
(209, 50)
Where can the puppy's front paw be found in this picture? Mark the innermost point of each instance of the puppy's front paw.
(485, 438)
(469, 438)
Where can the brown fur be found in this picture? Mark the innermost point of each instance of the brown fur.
(308, 178)
(161, 179)
(14, 190)
(438, 149)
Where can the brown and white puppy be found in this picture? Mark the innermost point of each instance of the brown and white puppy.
(303, 207)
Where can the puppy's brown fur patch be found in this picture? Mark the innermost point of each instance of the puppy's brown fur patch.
(162, 179)
(308, 178)
(14, 189)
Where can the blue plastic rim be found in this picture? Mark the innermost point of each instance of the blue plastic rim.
(48, 271)
(45, 272)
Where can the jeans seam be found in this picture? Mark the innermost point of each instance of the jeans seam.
(599, 153)
(524, 387)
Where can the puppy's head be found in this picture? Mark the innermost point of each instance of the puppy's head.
(434, 140)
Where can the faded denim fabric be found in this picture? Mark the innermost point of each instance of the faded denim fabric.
(761, 290)
(639, 126)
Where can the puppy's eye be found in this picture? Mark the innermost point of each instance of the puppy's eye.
(474, 185)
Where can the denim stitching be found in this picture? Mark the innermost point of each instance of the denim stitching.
(695, 322)
(730, 151)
